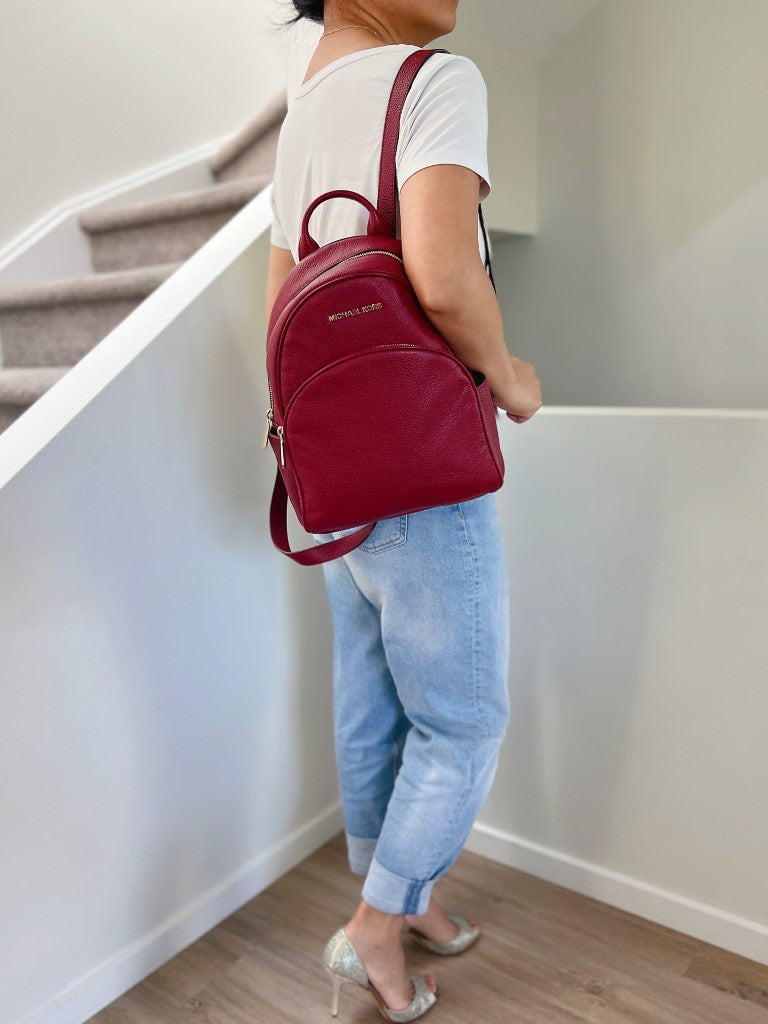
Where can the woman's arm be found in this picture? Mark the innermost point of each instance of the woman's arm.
(438, 229)
(281, 262)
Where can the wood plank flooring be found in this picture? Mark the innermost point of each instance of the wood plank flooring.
(547, 956)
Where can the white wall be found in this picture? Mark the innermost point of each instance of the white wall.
(512, 131)
(166, 745)
(166, 736)
(646, 281)
(635, 765)
(96, 89)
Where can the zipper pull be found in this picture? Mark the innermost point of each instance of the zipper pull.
(269, 425)
(280, 431)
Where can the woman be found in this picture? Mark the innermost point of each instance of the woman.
(421, 607)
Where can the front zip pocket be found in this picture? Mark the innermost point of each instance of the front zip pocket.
(279, 430)
(354, 435)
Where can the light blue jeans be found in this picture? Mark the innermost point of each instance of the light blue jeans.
(420, 613)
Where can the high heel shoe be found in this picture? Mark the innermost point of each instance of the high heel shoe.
(343, 963)
(463, 940)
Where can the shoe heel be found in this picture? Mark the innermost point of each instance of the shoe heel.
(343, 963)
(338, 981)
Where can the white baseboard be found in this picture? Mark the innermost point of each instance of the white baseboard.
(111, 979)
(710, 924)
(119, 974)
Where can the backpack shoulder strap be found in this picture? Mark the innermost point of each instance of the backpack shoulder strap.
(385, 202)
(402, 83)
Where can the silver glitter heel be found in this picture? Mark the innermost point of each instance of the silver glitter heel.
(343, 963)
(466, 936)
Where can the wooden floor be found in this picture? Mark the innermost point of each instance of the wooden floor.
(546, 956)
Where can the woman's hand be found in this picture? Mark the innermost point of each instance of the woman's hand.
(521, 398)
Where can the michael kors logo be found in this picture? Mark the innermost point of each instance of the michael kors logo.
(353, 312)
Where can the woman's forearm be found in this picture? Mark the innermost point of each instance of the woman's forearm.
(470, 321)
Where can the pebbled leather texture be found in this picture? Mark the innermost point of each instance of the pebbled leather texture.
(373, 415)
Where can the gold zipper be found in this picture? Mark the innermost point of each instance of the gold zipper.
(364, 253)
(395, 344)
(280, 429)
(270, 416)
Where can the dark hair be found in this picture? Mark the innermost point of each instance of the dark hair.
(312, 10)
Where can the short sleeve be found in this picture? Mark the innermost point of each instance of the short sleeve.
(277, 235)
(447, 122)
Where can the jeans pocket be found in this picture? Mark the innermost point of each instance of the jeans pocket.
(387, 533)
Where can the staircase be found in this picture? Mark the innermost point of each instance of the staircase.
(46, 328)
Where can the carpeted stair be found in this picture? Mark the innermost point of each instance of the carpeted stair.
(46, 328)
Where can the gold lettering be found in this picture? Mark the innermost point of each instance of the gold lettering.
(354, 312)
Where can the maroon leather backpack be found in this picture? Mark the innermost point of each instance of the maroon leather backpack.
(371, 414)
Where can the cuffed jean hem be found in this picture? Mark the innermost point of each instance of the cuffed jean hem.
(360, 853)
(394, 894)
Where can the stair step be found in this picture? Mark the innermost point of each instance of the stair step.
(166, 229)
(136, 283)
(54, 323)
(21, 387)
(215, 198)
(47, 327)
(253, 149)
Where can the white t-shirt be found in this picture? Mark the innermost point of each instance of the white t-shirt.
(331, 137)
